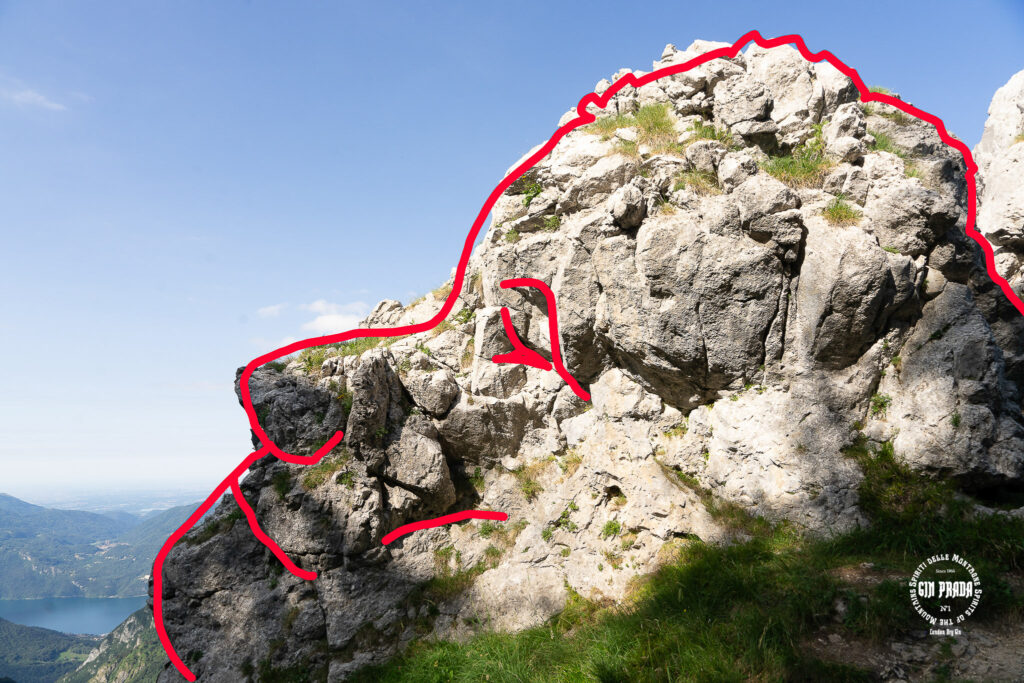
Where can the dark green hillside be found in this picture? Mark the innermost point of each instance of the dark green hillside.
(38, 655)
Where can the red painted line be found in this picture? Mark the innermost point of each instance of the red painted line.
(158, 564)
(520, 354)
(584, 117)
(556, 354)
(441, 521)
(250, 515)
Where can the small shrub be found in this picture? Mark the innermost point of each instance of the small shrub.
(880, 404)
(701, 183)
(277, 365)
(564, 552)
(551, 223)
(533, 190)
(839, 212)
(547, 533)
(346, 479)
(282, 483)
(464, 316)
(512, 236)
(611, 528)
(879, 89)
(955, 420)
(897, 362)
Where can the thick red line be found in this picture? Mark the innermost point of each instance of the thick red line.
(556, 354)
(254, 524)
(520, 354)
(441, 521)
(158, 563)
(584, 117)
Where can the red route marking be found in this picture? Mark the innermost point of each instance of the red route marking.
(250, 515)
(441, 521)
(521, 354)
(584, 117)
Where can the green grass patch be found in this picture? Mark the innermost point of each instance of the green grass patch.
(805, 166)
(552, 223)
(512, 236)
(839, 212)
(884, 143)
(526, 478)
(317, 474)
(606, 126)
(702, 130)
(699, 182)
(312, 358)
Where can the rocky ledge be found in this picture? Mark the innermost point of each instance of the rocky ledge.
(754, 272)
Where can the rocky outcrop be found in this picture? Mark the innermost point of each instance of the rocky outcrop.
(1000, 158)
(752, 271)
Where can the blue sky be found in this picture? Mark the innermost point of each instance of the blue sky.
(183, 185)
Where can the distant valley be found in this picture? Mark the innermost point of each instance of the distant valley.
(46, 552)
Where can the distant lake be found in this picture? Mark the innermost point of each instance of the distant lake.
(71, 615)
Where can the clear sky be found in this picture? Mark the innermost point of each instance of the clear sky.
(184, 185)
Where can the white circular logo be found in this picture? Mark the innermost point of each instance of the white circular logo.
(945, 590)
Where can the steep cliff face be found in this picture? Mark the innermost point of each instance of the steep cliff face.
(1000, 157)
(753, 272)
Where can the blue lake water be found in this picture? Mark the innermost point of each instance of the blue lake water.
(71, 615)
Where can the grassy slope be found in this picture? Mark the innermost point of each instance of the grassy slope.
(743, 612)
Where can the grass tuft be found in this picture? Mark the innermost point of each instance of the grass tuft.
(701, 183)
(803, 167)
(839, 212)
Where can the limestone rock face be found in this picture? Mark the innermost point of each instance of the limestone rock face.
(1000, 158)
(735, 339)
